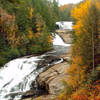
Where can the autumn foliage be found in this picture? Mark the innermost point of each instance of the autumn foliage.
(8, 28)
(83, 74)
(76, 72)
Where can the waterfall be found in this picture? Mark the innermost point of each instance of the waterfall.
(17, 75)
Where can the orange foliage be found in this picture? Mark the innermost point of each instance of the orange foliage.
(50, 39)
(89, 93)
(81, 94)
(8, 27)
(31, 12)
(95, 92)
(30, 34)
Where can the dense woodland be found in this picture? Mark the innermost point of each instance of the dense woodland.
(83, 81)
(25, 27)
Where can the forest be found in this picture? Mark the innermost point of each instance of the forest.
(26, 27)
(83, 81)
(23, 23)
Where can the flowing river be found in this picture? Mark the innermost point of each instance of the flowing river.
(17, 76)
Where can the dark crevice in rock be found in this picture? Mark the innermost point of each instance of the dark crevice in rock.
(56, 71)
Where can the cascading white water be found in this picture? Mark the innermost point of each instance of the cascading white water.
(64, 25)
(58, 41)
(17, 75)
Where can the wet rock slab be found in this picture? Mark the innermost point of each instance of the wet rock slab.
(52, 79)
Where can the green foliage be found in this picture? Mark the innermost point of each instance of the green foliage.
(94, 76)
(65, 12)
(2, 61)
(22, 51)
(9, 5)
(49, 12)
(35, 49)
(8, 55)
(13, 53)
(22, 20)
(25, 27)
(68, 88)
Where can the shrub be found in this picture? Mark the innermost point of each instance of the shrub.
(2, 61)
(13, 53)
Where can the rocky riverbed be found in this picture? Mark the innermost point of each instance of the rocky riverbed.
(51, 80)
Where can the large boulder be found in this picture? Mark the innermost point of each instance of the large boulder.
(52, 79)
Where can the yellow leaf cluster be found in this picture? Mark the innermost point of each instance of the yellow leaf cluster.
(98, 4)
(77, 27)
(30, 34)
(50, 39)
(79, 12)
(31, 12)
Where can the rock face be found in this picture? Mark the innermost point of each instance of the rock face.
(66, 35)
(52, 79)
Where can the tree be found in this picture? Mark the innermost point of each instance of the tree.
(87, 30)
(48, 11)
(86, 43)
(83, 74)
(8, 29)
